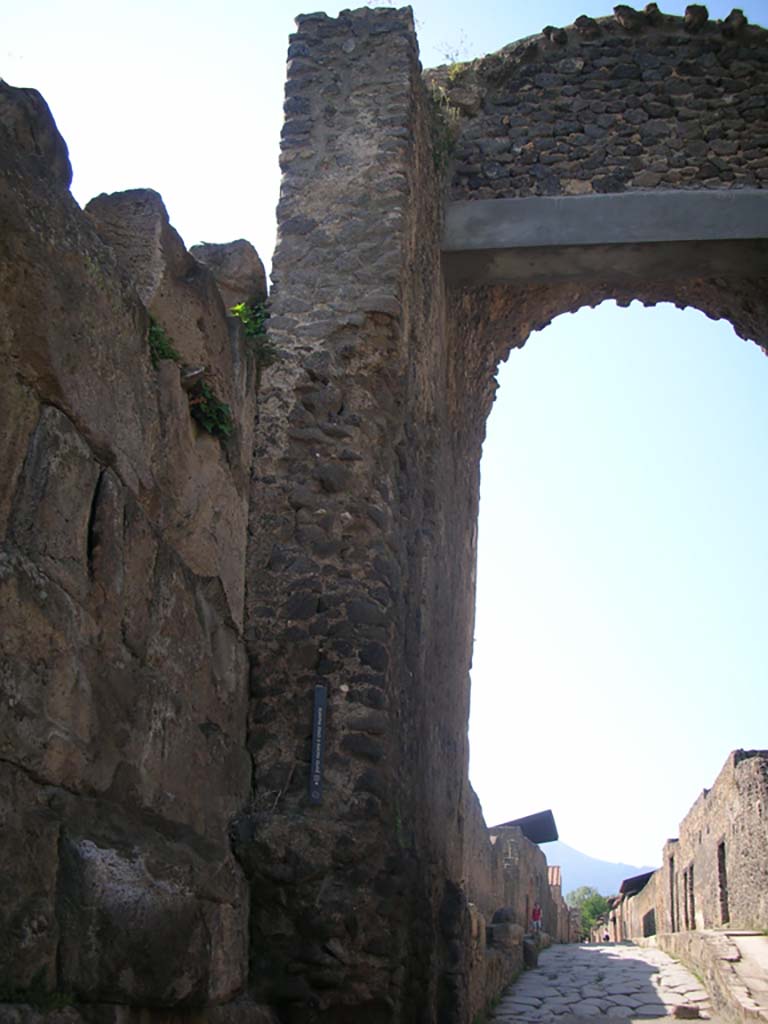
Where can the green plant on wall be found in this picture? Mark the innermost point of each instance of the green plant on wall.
(443, 127)
(211, 413)
(254, 318)
(455, 70)
(160, 345)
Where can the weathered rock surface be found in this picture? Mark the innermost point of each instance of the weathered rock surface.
(27, 123)
(144, 918)
(238, 271)
(122, 663)
(206, 491)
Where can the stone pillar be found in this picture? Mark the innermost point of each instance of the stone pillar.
(363, 535)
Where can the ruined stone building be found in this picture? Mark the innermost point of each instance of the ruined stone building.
(715, 874)
(567, 920)
(237, 599)
(527, 877)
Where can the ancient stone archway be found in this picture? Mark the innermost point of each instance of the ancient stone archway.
(621, 158)
(392, 313)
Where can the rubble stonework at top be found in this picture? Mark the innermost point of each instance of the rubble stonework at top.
(635, 101)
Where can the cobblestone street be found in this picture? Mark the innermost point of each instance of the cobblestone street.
(616, 981)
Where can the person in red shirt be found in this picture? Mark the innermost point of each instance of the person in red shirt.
(536, 917)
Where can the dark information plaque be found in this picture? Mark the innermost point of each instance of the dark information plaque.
(318, 744)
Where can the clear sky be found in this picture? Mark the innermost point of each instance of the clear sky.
(621, 645)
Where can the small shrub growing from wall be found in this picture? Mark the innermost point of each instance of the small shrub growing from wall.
(443, 127)
(160, 345)
(211, 413)
(254, 320)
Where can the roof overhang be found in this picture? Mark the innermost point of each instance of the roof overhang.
(634, 885)
(539, 828)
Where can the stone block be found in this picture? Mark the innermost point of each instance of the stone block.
(52, 509)
(506, 936)
(530, 953)
(504, 915)
(28, 868)
(237, 269)
(149, 922)
(46, 682)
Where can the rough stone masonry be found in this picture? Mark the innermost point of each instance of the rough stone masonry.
(171, 599)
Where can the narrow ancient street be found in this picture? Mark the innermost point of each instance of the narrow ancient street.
(616, 981)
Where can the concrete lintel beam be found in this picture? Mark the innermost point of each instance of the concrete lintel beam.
(609, 219)
(627, 236)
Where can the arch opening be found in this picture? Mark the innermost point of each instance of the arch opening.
(621, 572)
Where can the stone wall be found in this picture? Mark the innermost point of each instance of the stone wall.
(637, 915)
(715, 875)
(638, 100)
(483, 862)
(564, 927)
(526, 878)
(732, 982)
(362, 569)
(721, 857)
(122, 547)
(360, 910)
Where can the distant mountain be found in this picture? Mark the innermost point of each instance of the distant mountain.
(578, 869)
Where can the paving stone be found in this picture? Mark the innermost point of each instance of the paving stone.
(605, 982)
(522, 1010)
(670, 998)
(646, 995)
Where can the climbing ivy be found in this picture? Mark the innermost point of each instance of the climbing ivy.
(210, 412)
(254, 318)
(160, 345)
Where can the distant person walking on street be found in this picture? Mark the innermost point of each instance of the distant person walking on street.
(536, 917)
